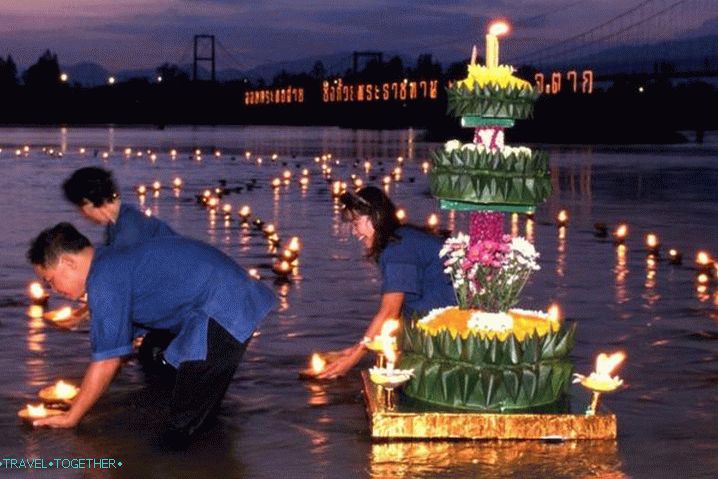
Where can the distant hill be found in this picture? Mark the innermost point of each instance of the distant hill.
(688, 54)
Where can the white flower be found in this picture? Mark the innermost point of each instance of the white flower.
(496, 322)
(452, 145)
(469, 146)
(523, 247)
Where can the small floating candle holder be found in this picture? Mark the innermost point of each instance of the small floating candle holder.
(389, 378)
(65, 317)
(318, 363)
(282, 269)
(60, 392)
(32, 412)
(675, 256)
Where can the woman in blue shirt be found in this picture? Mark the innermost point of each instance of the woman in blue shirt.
(95, 193)
(412, 273)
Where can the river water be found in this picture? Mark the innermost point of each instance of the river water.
(273, 425)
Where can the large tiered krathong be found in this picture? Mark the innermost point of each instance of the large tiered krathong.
(482, 355)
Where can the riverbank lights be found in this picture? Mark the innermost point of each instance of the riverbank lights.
(64, 77)
(432, 221)
(177, 183)
(111, 80)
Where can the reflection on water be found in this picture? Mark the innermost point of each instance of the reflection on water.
(273, 425)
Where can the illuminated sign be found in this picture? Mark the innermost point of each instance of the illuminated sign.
(274, 96)
(573, 83)
(338, 92)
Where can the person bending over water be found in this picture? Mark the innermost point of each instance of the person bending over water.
(412, 275)
(207, 300)
(94, 191)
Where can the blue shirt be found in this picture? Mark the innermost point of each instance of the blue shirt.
(412, 266)
(171, 283)
(132, 227)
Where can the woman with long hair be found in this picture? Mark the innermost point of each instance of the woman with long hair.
(412, 274)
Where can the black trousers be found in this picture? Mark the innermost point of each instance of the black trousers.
(200, 386)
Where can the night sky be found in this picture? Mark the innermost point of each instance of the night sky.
(126, 34)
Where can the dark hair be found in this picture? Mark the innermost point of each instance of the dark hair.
(52, 242)
(92, 184)
(374, 203)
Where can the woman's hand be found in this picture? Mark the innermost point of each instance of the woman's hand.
(340, 366)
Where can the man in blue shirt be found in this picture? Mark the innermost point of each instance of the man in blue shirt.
(202, 296)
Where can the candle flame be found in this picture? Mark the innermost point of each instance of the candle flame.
(651, 240)
(36, 411)
(62, 314)
(318, 363)
(703, 258)
(389, 326)
(65, 390)
(605, 364)
(36, 291)
(499, 28)
(554, 312)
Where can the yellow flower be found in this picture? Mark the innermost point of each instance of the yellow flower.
(502, 76)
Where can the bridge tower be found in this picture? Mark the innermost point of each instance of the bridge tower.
(203, 52)
(371, 55)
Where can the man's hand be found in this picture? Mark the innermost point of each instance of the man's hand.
(61, 421)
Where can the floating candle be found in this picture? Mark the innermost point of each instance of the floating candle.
(37, 294)
(60, 391)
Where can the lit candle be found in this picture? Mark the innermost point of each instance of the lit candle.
(38, 296)
(36, 412)
(401, 215)
(492, 42)
(59, 315)
(390, 356)
(703, 261)
(141, 190)
(318, 363)
(621, 233)
(177, 183)
(675, 256)
(244, 212)
(562, 218)
(554, 313)
(294, 244)
(156, 185)
(652, 243)
(432, 221)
